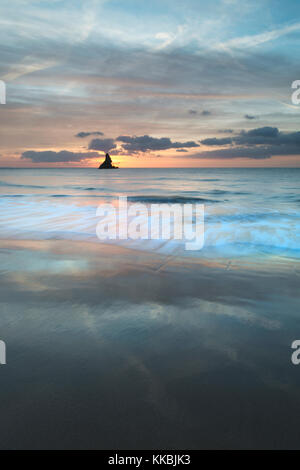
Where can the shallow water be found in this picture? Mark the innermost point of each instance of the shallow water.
(248, 212)
(154, 347)
(110, 348)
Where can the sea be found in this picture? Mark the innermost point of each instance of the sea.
(136, 343)
(247, 212)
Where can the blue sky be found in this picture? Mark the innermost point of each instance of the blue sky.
(188, 71)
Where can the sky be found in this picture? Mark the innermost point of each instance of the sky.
(156, 83)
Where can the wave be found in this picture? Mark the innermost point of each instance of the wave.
(176, 179)
(223, 191)
(14, 195)
(231, 234)
(170, 199)
(13, 185)
(209, 179)
(252, 217)
(89, 188)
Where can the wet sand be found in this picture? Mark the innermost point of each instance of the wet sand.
(111, 348)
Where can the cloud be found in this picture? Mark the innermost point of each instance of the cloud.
(63, 156)
(116, 78)
(257, 39)
(145, 143)
(205, 112)
(236, 152)
(181, 150)
(215, 141)
(257, 153)
(103, 145)
(225, 131)
(259, 143)
(166, 39)
(260, 135)
(249, 116)
(83, 134)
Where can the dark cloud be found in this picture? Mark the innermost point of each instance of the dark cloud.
(181, 150)
(64, 156)
(250, 117)
(259, 136)
(144, 143)
(236, 152)
(258, 153)
(205, 112)
(215, 141)
(87, 134)
(260, 143)
(263, 132)
(103, 145)
(225, 131)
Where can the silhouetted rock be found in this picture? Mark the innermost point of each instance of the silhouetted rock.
(107, 164)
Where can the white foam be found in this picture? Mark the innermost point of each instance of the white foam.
(234, 232)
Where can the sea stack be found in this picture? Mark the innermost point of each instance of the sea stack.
(107, 164)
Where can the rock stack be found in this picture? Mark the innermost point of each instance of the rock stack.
(107, 164)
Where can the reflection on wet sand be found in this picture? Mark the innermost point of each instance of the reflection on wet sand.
(119, 349)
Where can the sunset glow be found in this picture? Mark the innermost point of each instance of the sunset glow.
(185, 74)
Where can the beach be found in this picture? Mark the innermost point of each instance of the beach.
(114, 348)
(150, 228)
